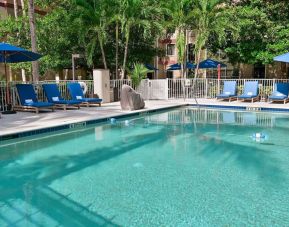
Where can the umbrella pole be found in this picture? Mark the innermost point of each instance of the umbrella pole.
(7, 84)
(7, 88)
(8, 100)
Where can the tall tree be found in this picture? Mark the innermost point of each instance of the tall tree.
(15, 3)
(23, 7)
(116, 19)
(95, 20)
(138, 13)
(210, 19)
(263, 27)
(179, 13)
(35, 64)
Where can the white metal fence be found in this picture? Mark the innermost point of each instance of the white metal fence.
(209, 88)
(150, 89)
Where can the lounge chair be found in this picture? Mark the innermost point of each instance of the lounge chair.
(229, 91)
(76, 93)
(53, 95)
(250, 92)
(28, 99)
(280, 93)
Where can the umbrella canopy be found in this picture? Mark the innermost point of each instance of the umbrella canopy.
(178, 66)
(150, 67)
(13, 54)
(211, 64)
(282, 58)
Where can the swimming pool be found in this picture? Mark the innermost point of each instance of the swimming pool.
(183, 167)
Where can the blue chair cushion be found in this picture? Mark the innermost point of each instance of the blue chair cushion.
(247, 96)
(67, 102)
(90, 100)
(225, 95)
(39, 104)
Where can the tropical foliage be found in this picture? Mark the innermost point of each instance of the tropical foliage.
(114, 34)
(138, 73)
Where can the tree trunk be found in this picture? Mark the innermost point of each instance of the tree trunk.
(125, 53)
(102, 51)
(23, 14)
(35, 64)
(15, 9)
(23, 8)
(185, 55)
(116, 50)
(196, 73)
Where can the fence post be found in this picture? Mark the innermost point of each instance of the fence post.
(167, 88)
(206, 88)
(218, 91)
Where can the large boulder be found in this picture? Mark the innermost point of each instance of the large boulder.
(130, 99)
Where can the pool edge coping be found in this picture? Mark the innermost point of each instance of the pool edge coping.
(62, 126)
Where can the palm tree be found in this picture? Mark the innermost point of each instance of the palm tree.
(138, 73)
(210, 18)
(15, 3)
(138, 13)
(116, 18)
(180, 17)
(23, 8)
(35, 64)
(94, 16)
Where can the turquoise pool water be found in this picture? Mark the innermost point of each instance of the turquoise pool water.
(184, 167)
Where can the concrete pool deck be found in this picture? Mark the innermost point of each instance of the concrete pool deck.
(28, 121)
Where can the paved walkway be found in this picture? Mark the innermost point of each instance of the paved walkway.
(27, 121)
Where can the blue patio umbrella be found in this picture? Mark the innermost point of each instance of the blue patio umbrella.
(14, 54)
(178, 66)
(150, 67)
(282, 58)
(211, 64)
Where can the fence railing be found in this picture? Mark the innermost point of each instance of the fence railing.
(150, 89)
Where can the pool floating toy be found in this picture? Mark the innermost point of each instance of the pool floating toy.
(112, 120)
(127, 123)
(259, 137)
